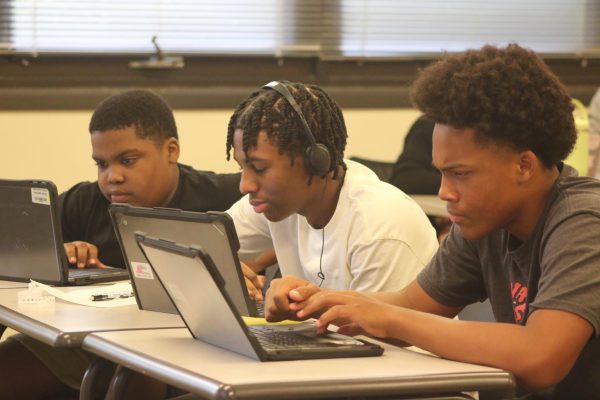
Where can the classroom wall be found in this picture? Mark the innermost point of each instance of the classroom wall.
(55, 145)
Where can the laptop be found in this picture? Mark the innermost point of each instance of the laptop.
(197, 289)
(31, 245)
(214, 231)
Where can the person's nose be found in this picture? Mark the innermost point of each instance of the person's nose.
(447, 192)
(114, 174)
(248, 182)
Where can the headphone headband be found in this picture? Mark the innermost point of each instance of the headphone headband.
(316, 157)
(283, 91)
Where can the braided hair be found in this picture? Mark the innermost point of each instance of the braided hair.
(266, 110)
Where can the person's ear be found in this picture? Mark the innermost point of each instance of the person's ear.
(171, 146)
(528, 163)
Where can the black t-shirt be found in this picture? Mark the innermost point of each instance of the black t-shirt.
(84, 209)
(413, 172)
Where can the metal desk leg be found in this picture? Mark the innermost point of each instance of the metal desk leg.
(96, 379)
(119, 382)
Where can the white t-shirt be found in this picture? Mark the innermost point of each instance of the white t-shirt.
(378, 239)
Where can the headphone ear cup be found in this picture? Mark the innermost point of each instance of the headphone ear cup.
(317, 159)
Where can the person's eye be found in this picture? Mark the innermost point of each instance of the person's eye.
(128, 161)
(460, 174)
(100, 164)
(258, 170)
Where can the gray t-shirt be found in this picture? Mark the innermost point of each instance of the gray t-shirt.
(558, 267)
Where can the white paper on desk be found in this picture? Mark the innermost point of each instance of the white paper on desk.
(81, 295)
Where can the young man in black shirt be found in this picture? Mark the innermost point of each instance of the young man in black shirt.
(135, 145)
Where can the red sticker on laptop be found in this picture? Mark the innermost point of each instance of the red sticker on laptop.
(142, 270)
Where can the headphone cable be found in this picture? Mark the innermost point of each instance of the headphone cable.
(320, 274)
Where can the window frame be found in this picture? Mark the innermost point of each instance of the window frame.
(62, 82)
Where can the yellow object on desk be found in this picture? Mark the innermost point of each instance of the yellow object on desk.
(252, 321)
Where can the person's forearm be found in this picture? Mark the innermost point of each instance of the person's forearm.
(414, 298)
(507, 346)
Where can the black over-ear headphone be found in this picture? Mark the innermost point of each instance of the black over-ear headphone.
(316, 157)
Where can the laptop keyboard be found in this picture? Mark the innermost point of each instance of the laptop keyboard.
(76, 273)
(272, 339)
(260, 308)
(81, 272)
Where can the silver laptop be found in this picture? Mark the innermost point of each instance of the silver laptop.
(214, 231)
(197, 289)
(31, 245)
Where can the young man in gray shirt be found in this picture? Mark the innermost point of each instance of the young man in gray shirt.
(525, 233)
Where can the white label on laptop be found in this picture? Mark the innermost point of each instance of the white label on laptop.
(40, 196)
(142, 270)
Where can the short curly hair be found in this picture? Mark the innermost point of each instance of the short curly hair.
(266, 110)
(508, 96)
(145, 110)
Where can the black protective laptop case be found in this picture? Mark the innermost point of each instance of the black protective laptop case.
(31, 245)
(214, 231)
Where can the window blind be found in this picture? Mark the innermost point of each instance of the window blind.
(392, 28)
(329, 29)
(181, 26)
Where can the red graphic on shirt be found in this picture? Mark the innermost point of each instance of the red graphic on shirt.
(519, 300)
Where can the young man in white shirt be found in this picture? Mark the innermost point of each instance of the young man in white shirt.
(330, 221)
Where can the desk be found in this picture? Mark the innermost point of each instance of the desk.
(174, 357)
(431, 204)
(66, 324)
(12, 284)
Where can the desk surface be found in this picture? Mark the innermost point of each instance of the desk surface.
(12, 284)
(66, 324)
(173, 356)
(431, 204)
